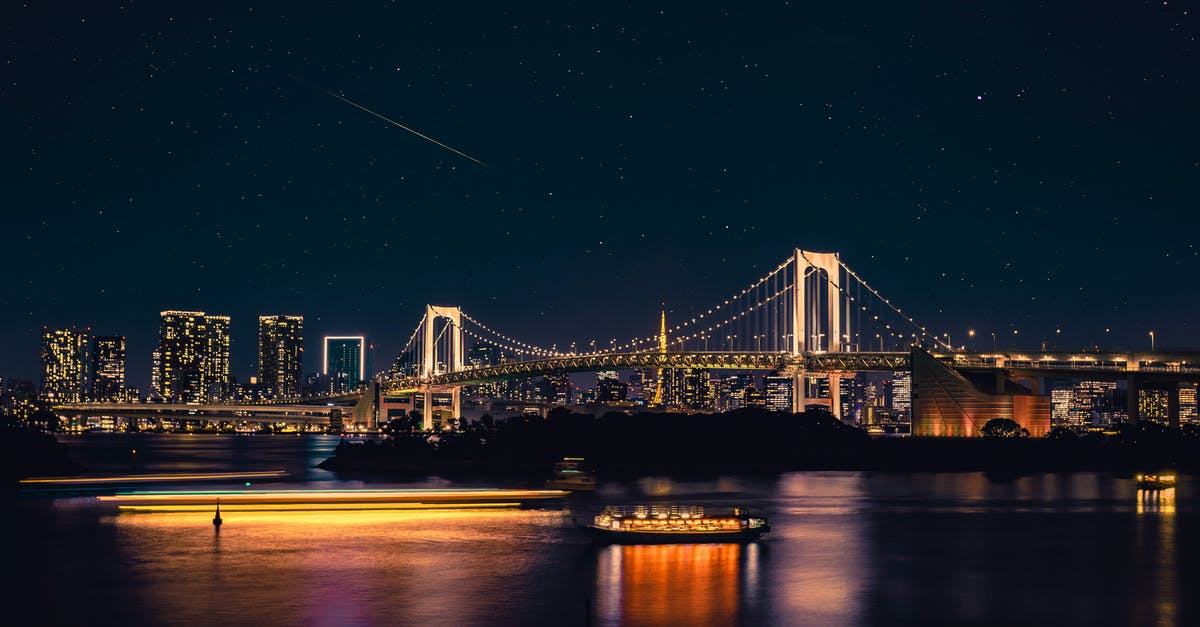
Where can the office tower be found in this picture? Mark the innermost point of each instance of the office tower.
(686, 388)
(901, 395)
(216, 357)
(777, 393)
(108, 368)
(642, 385)
(192, 356)
(1060, 407)
(64, 359)
(1187, 403)
(609, 388)
(281, 354)
(345, 361)
(1152, 405)
(1093, 403)
(556, 388)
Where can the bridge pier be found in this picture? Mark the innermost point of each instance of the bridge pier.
(427, 410)
(799, 391)
(1132, 392)
(835, 394)
(1173, 405)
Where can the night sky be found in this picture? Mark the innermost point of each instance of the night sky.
(985, 166)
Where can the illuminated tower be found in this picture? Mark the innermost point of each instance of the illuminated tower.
(64, 353)
(108, 368)
(345, 361)
(192, 355)
(662, 349)
(281, 354)
(216, 356)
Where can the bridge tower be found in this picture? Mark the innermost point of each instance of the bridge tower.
(430, 365)
(806, 339)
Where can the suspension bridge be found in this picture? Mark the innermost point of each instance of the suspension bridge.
(811, 315)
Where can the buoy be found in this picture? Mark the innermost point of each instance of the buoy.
(217, 518)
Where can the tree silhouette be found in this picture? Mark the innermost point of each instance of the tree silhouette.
(1003, 428)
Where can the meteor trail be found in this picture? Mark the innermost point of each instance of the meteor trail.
(413, 131)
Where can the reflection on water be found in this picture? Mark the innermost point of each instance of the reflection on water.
(698, 584)
(335, 567)
(846, 548)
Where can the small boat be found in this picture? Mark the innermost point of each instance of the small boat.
(665, 524)
(572, 473)
(1155, 481)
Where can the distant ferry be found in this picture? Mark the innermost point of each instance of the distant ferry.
(572, 473)
(661, 524)
(1155, 481)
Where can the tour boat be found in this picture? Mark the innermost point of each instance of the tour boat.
(661, 524)
(1155, 481)
(572, 473)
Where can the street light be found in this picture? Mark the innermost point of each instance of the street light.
(1152, 341)
(993, 341)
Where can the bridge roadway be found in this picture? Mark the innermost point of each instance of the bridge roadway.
(1175, 365)
(298, 414)
(1147, 367)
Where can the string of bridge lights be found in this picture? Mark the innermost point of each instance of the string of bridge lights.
(530, 348)
(514, 345)
(914, 323)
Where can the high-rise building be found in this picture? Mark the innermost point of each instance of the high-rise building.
(902, 394)
(216, 356)
(108, 368)
(777, 392)
(1152, 405)
(64, 364)
(1060, 407)
(1093, 403)
(192, 356)
(345, 361)
(1187, 403)
(556, 388)
(609, 388)
(686, 388)
(281, 354)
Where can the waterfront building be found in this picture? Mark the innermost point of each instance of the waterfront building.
(901, 394)
(947, 403)
(777, 393)
(216, 354)
(192, 355)
(1060, 407)
(281, 354)
(64, 365)
(1094, 404)
(108, 368)
(1152, 405)
(344, 361)
(1187, 404)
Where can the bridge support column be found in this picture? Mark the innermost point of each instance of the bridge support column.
(427, 411)
(1132, 391)
(456, 403)
(835, 395)
(1173, 405)
(799, 391)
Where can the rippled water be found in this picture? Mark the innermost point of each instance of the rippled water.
(847, 548)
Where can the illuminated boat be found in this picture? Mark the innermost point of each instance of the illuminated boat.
(1155, 481)
(572, 473)
(663, 524)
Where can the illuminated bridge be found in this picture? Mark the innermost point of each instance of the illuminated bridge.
(810, 316)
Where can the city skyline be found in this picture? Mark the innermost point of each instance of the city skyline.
(984, 174)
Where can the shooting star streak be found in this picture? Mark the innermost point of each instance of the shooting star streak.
(413, 131)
